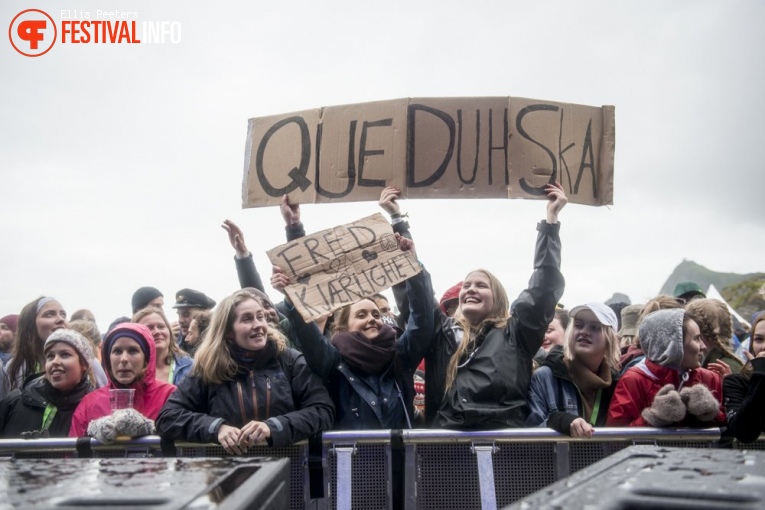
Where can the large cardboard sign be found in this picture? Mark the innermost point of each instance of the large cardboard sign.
(461, 147)
(339, 266)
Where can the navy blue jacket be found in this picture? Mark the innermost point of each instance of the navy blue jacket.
(364, 401)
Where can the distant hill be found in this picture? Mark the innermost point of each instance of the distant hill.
(747, 296)
(744, 292)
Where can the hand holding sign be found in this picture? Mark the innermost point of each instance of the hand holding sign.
(279, 280)
(388, 200)
(406, 244)
(339, 266)
(557, 200)
(290, 212)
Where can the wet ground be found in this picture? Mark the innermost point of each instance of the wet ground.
(123, 483)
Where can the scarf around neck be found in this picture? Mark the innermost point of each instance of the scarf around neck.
(588, 383)
(253, 360)
(367, 356)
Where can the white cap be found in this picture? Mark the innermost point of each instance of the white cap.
(605, 315)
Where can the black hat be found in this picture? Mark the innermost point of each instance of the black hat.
(143, 296)
(390, 321)
(187, 298)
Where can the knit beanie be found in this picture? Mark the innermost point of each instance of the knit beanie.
(12, 321)
(143, 296)
(78, 342)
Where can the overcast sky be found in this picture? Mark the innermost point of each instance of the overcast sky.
(119, 162)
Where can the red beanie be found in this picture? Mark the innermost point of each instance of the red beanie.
(451, 294)
(12, 321)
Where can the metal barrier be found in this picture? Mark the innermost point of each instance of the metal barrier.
(409, 469)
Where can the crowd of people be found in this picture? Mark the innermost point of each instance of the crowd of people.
(247, 370)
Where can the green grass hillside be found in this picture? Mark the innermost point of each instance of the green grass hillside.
(744, 292)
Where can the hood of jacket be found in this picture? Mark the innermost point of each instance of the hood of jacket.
(661, 337)
(140, 334)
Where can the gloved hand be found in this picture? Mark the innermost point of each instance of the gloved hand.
(700, 402)
(667, 408)
(131, 423)
(103, 429)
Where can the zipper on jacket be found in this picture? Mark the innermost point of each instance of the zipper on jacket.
(241, 402)
(268, 397)
(254, 396)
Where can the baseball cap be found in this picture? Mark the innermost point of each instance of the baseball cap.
(602, 312)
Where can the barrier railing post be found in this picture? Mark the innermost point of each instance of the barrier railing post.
(411, 478)
(562, 460)
(344, 489)
(483, 455)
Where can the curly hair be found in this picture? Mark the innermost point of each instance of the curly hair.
(715, 322)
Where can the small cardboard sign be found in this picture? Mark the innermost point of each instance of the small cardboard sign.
(459, 147)
(341, 265)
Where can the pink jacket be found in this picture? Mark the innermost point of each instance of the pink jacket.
(150, 394)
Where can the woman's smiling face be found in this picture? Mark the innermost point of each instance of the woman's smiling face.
(63, 367)
(250, 326)
(365, 318)
(476, 297)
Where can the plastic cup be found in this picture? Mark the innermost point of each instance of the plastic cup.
(121, 399)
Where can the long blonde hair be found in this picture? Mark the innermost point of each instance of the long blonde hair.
(497, 318)
(213, 361)
(613, 353)
(172, 348)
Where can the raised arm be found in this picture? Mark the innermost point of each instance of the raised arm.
(419, 331)
(389, 203)
(534, 309)
(320, 354)
(291, 214)
(245, 265)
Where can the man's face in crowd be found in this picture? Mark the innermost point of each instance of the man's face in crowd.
(184, 318)
(6, 338)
